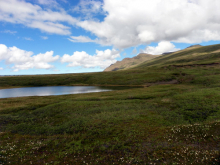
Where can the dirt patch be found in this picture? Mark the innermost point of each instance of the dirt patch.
(217, 51)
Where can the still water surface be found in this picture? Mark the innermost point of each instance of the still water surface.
(48, 91)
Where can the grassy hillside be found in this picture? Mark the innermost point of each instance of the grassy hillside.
(173, 119)
(189, 56)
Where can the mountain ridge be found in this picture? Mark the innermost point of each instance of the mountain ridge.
(130, 62)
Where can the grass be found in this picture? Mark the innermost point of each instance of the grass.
(159, 124)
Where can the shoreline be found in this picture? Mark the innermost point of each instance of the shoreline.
(10, 87)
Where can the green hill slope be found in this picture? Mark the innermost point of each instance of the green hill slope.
(193, 55)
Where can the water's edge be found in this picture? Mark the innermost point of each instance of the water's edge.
(49, 91)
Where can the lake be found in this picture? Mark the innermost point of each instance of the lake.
(48, 91)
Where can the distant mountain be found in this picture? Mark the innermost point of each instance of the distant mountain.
(131, 62)
(194, 46)
(144, 58)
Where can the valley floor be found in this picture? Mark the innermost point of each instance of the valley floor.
(161, 124)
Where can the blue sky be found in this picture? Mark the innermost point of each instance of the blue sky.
(73, 36)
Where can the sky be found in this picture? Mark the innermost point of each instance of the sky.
(75, 36)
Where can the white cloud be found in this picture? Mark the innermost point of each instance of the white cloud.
(51, 3)
(130, 23)
(1, 68)
(3, 51)
(30, 15)
(9, 31)
(162, 47)
(89, 8)
(102, 59)
(81, 39)
(28, 38)
(21, 59)
(126, 23)
(44, 37)
(47, 2)
(134, 51)
(51, 27)
(64, 1)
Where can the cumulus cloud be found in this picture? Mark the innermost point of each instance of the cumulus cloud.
(101, 59)
(30, 15)
(22, 60)
(3, 51)
(137, 22)
(126, 23)
(162, 47)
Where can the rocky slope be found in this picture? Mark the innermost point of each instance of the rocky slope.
(130, 62)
